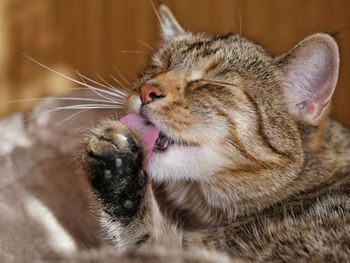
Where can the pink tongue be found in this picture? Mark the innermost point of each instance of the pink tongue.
(148, 132)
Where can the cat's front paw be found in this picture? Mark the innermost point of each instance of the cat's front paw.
(113, 159)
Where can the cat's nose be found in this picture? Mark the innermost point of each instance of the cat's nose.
(150, 92)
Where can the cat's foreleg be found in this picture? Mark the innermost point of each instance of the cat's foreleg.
(113, 159)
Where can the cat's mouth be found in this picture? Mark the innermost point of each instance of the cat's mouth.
(154, 140)
(162, 143)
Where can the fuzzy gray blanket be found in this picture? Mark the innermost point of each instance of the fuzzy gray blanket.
(46, 207)
(44, 203)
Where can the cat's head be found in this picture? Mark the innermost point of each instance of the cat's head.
(229, 111)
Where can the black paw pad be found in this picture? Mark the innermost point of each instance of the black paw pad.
(117, 176)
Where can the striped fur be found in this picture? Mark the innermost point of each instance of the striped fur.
(249, 175)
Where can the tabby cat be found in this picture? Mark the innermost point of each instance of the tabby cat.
(227, 153)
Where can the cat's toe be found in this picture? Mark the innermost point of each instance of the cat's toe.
(113, 160)
(112, 149)
(115, 133)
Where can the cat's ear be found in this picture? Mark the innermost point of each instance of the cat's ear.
(310, 70)
(170, 27)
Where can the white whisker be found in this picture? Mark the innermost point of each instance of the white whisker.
(70, 117)
(73, 108)
(124, 95)
(133, 51)
(84, 78)
(146, 45)
(104, 81)
(120, 75)
(240, 21)
(80, 106)
(59, 98)
(94, 89)
(91, 108)
(112, 87)
(115, 91)
(117, 81)
(157, 14)
(59, 73)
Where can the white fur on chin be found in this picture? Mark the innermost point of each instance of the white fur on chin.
(185, 162)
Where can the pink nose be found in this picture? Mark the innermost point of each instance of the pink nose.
(149, 93)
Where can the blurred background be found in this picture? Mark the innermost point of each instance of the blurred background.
(103, 37)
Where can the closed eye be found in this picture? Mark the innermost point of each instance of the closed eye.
(195, 84)
(203, 83)
(217, 82)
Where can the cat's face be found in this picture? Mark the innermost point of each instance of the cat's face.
(206, 107)
(225, 106)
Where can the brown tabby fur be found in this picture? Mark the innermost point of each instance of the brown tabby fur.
(275, 187)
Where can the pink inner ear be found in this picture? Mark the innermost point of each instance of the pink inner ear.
(311, 73)
(148, 132)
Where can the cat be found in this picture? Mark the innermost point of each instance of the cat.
(228, 151)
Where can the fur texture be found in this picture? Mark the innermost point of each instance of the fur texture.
(257, 170)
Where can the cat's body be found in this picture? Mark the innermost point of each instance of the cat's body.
(311, 224)
(255, 169)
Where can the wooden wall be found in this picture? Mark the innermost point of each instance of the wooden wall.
(93, 35)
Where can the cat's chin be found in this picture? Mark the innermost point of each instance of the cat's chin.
(181, 162)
